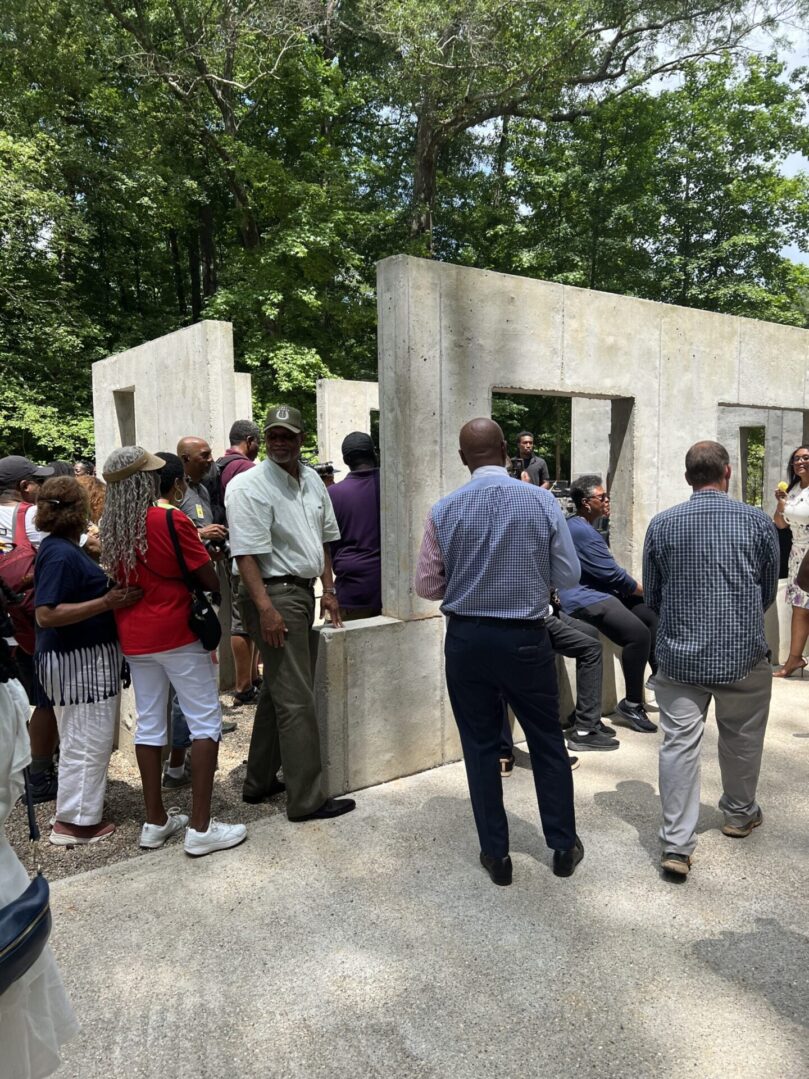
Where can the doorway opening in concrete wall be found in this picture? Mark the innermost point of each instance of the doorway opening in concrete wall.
(125, 415)
(579, 434)
(751, 445)
(547, 417)
(373, 430)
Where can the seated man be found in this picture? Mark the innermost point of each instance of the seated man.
(611, 600)
(585, 730)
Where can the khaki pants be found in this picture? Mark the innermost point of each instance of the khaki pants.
(285, 730)
(742, 709)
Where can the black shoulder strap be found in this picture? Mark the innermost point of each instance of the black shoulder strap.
(189, 580)
(33, 827)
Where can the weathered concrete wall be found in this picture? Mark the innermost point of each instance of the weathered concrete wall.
(180, 384)
(590, 422)
(448, 335)
(342, 406)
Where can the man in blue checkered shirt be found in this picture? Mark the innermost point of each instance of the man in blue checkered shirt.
(710, 568)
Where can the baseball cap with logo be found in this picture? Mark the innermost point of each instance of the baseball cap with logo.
(284, 416)
(13, 469)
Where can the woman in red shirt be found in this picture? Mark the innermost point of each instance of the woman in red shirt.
(161, 649)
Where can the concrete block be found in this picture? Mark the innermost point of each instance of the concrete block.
(342, 406)
(382, 701)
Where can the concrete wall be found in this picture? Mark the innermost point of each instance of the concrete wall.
(342, 406)
(590, 422)
(152, 395)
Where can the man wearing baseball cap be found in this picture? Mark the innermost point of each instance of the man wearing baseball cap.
(281, 523)
(357, 554)
(20, 480)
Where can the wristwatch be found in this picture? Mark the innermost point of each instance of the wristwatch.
(329, 591)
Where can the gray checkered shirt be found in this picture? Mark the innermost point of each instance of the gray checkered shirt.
(710, 568)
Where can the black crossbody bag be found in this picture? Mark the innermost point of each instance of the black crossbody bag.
(25, 922)
(203, 620)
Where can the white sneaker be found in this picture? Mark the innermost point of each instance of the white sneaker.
(153, 836)
(218, 837)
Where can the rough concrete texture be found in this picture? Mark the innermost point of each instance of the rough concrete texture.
(376, 946)
(342, 406)
(449, 336)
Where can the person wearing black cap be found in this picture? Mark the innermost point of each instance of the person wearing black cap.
(356, 556)
(281, 523)
(20, 480)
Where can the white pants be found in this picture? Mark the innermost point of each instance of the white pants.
(86, 733)
(191, 671)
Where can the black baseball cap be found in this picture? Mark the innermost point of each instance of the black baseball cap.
(358, 442)
(13, 469)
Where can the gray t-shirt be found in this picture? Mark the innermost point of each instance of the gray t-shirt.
(197, 504)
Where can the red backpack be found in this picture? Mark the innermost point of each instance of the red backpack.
(17, 574)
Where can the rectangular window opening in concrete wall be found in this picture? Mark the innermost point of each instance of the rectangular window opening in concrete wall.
(751, 445)
(125, 415)
(577, 435)
(547, 417)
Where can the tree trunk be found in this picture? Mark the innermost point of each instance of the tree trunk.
(424, 181)
(208, 250)
(193, 269)
(176, 269)
(500, 162)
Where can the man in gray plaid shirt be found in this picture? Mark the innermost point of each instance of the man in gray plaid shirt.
(710, 568)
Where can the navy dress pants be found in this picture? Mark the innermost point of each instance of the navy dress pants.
(484, 662)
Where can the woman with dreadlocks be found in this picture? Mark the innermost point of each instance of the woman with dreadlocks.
(77, 659)
(162, 651)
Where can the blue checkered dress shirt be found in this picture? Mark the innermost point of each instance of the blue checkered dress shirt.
(504, 544)
(710, 568)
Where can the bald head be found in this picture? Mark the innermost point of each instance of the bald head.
(481, 443)
(195, 453)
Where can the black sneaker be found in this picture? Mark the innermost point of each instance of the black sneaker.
(506, 766)
(590, 741)
(634, 716)
(602, 728)
(44, 786)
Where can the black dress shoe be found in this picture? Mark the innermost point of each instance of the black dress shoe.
(276, 787)
(332, 807)
(565, 861)
(499, 869)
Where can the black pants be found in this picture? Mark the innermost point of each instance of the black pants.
(632, 626)
(485, 662)
(576, 640)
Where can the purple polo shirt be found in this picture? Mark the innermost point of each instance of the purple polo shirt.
(356, 556)
(232, 463)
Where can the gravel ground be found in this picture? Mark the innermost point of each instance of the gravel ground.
(124, 806)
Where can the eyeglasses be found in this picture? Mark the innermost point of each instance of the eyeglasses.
(804, 459)
(606, 498)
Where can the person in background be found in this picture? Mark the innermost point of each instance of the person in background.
(61, 468)
(282, 522)
(527, 466)
(83, 468)
(611, 600)
(792, 511)
(36, 1018)
(77, 659)
(497, 644)
(197, 459)
(160, 647)
(245, 443)
(96, 491)
(711, 569)
(356, 556)
(20, 481)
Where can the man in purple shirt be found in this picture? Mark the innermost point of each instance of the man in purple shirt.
(245, 442)
(356, 558)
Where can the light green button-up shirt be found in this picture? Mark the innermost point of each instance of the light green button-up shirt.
(282, 522)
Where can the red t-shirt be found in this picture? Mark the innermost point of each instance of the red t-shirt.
(159, 622)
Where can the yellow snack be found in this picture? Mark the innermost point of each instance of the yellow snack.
(782, 486)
